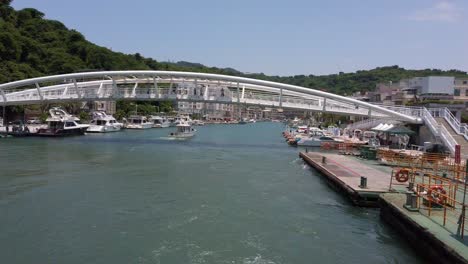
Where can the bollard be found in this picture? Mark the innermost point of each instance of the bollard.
(408, 198)
(324, 160)
(307, 150)
(414, 201)
(411, 202)
(363, 182)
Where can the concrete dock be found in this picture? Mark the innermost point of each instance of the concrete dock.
(344, 173)
(434, 242)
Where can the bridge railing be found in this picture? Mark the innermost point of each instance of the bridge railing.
(457, 126)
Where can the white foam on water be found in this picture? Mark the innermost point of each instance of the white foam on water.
(257, 260)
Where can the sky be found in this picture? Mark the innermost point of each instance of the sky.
(275, 37)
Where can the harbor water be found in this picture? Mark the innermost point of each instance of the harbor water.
(232, 194)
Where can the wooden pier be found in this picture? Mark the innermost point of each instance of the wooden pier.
(344, 173)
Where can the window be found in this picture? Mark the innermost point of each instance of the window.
(456, 92)
(466, 92)
(69, 124)
(465, 82)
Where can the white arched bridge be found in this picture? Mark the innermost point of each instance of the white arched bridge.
(189, 86)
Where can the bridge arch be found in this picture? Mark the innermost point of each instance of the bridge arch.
(160, 85)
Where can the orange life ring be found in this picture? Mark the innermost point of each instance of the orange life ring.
(437, 194)
(402, 175)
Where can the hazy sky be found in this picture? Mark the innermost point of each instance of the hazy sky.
(275, 37)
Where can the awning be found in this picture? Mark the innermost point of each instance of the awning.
(383, 127)
(378, 127)
(400, 131)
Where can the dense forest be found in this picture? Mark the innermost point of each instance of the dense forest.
(32, 46)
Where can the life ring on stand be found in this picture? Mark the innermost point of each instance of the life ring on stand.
(402, 175)
(437, 194)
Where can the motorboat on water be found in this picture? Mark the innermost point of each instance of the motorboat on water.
(183, 131)
(61, 123)
(315, 141)
(159, 122)
(295, 122)
(103, 123)
(314, 138)
(198, 123)
(182, 119)
(138, 122)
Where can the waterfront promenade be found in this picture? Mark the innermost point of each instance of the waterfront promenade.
(345, 173)
(433, 235)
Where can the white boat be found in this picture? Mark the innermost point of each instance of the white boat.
(138, 122)
(198, 123)
(180, 119)
(159, 122)
(103, 123)
(315, 141)
(184, 131)
(61, 123)
(314, 138)
(252, 121)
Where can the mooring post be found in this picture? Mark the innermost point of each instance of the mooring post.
(414, 201)
(324, 159)
(363, 184)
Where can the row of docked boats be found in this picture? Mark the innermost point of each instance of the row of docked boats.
(61, 123)
(314, 137)
(308, 136)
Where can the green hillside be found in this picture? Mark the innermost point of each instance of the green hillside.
(32, 46)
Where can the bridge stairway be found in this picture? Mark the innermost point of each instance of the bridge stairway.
(458, 138)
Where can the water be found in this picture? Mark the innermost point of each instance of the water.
(233, 194)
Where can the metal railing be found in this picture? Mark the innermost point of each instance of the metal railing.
(460, 128)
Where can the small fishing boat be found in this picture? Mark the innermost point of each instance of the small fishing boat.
(183, 131)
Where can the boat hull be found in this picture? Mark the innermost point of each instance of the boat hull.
(103, 129)
(45, 132)
(144, 126)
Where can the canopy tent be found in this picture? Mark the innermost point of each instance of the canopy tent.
(383, 127)
(378, 127)
(400, 131)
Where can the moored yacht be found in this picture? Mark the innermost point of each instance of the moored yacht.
(159, 122)
(314, 138)
(60, 123)
(198, 123)
(184, 131)
(138, 122)
(104, 123)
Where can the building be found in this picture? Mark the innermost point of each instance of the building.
(106, 106)
(460, 92)
(432, 87)
(391, 93)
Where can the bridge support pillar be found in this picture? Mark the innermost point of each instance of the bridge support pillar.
(281, 98)
(39, 91)
(4, 96)
(324, 104)
(156, 87)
